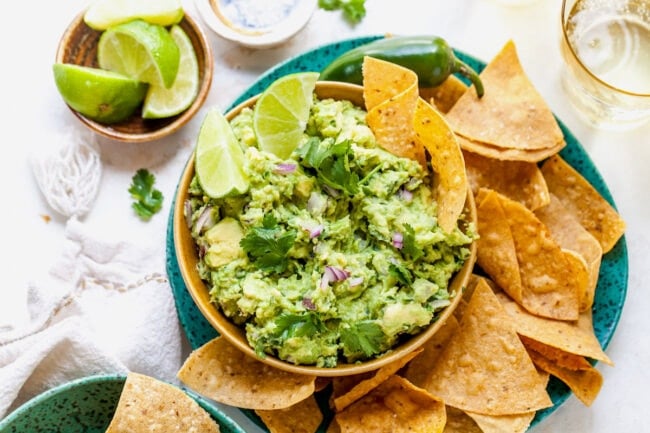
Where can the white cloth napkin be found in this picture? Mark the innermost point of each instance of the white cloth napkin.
(106, 308)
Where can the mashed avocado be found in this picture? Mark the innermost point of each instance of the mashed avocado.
(333, 255)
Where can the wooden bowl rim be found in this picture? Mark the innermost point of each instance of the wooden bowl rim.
(185, 251)
(107, 130)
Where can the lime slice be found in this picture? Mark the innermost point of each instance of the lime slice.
(219, 159)
(163, 102)
(143, 51)
(104, 96)
(108, 13)
(282, 111)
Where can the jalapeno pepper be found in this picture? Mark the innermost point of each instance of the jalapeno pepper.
(430, 57)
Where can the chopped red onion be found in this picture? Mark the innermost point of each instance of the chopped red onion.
(188, 214)
(405, 195)
(333, 274)
(398, 240)
(316, 203)
(308, 304)
(316, 231)
(356, 281)
(285, 168)
(331, 191)
(205, 220)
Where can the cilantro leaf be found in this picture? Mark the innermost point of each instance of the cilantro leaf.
(363, 338)
(400, 272)
(332, 164)
(298, 325)
(410, 247)
(353, 10)
(268, 245)
(148, 200)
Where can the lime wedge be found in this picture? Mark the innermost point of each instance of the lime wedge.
(104, 96)
(282, 111)
(163, 102)
(108, 13)
(219, 159)
(143, 51)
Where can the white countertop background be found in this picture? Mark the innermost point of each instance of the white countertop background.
(33, 112)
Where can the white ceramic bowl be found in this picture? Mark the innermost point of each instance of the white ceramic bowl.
(261, 24)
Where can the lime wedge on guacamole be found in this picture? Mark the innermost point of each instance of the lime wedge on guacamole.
(219, 159)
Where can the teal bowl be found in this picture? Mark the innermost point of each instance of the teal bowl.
(85, 405)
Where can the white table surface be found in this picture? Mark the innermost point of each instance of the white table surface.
(32, 111)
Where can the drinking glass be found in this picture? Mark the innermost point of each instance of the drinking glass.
(605, 45)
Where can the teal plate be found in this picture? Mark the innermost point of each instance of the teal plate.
(612, 280)
(86, 405)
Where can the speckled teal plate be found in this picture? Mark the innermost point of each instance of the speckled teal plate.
(86, 405)
(612, 281)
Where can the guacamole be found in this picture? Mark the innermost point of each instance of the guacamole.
(333, 255)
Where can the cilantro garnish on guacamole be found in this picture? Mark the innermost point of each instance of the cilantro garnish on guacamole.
(333, 255)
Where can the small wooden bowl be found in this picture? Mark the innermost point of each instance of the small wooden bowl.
(185, 248)
(78, 46)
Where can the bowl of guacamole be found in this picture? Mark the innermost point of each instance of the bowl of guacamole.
(332, 262)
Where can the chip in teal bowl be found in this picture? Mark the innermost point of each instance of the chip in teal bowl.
(89, 405)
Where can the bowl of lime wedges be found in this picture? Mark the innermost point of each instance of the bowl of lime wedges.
(133, 71)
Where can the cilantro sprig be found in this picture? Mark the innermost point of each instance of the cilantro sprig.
(148, 200)
(410, 247)
(298, 325)
(353, 10)
(268, 245)
(363, 339)
(332, 164)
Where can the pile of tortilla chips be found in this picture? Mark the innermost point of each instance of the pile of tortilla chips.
(526, 314)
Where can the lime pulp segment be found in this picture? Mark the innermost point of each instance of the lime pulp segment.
(140, 50)
(166, 102)
(282, 111)
(219, 159)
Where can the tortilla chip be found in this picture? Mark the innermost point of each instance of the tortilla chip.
(147, 404)
(518, 180)
(390, 93)
(220, 371)
(559, 357)
(518, 423)
(581, 199)
(496, 252)
(419, 368)
(433, 133)
(445, 95)
(584, 383)
(394, 406)
(459, 422)
(489, 151)
(511, 114)
(550, 283)
(570, 234)
(485, 368)
(364, 386)
(575, 337)
(303, 417)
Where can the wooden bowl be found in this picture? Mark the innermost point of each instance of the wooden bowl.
(78, 46)
(185, 248)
